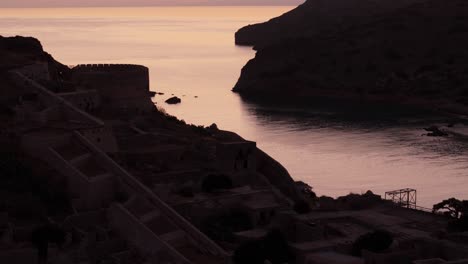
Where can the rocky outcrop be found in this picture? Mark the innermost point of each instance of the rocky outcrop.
(277, 175)
(173, 100)
(415, 54)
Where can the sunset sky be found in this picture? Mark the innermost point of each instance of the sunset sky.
(68, 3)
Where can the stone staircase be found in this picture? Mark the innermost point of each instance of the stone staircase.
(92, 186)
(168, 232)
(93, 182)
(100, 243)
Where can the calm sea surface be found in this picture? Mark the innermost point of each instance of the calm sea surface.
(191, 52)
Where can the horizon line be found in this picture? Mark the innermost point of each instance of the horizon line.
(120, 6)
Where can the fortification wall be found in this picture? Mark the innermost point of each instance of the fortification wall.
(121, 86)
(108, 67)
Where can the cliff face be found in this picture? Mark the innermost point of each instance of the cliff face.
(414, 53)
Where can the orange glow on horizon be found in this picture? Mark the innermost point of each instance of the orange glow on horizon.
(160, 11)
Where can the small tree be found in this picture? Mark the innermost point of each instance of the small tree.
(376, 241)
(456, 209)
(452, 207)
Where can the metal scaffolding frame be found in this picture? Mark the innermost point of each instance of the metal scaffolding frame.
(404, 197)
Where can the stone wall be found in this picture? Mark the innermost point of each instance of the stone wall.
(122, 87)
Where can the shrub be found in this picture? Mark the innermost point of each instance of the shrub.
(359, 201)
(215, 182)
(452, 207)
(376, 241)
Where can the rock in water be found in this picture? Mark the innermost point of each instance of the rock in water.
(173, 100)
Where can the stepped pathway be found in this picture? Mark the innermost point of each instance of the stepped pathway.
(91, 166)
(167, 231)
(100, 243)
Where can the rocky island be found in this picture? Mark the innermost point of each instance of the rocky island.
(92, 172)
(409, 52)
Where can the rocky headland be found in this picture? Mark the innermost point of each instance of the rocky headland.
(404, 52)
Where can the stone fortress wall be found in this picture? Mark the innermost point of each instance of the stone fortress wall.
(122, 87)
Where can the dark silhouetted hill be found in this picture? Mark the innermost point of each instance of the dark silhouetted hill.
(315, 16)
(415, 54)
